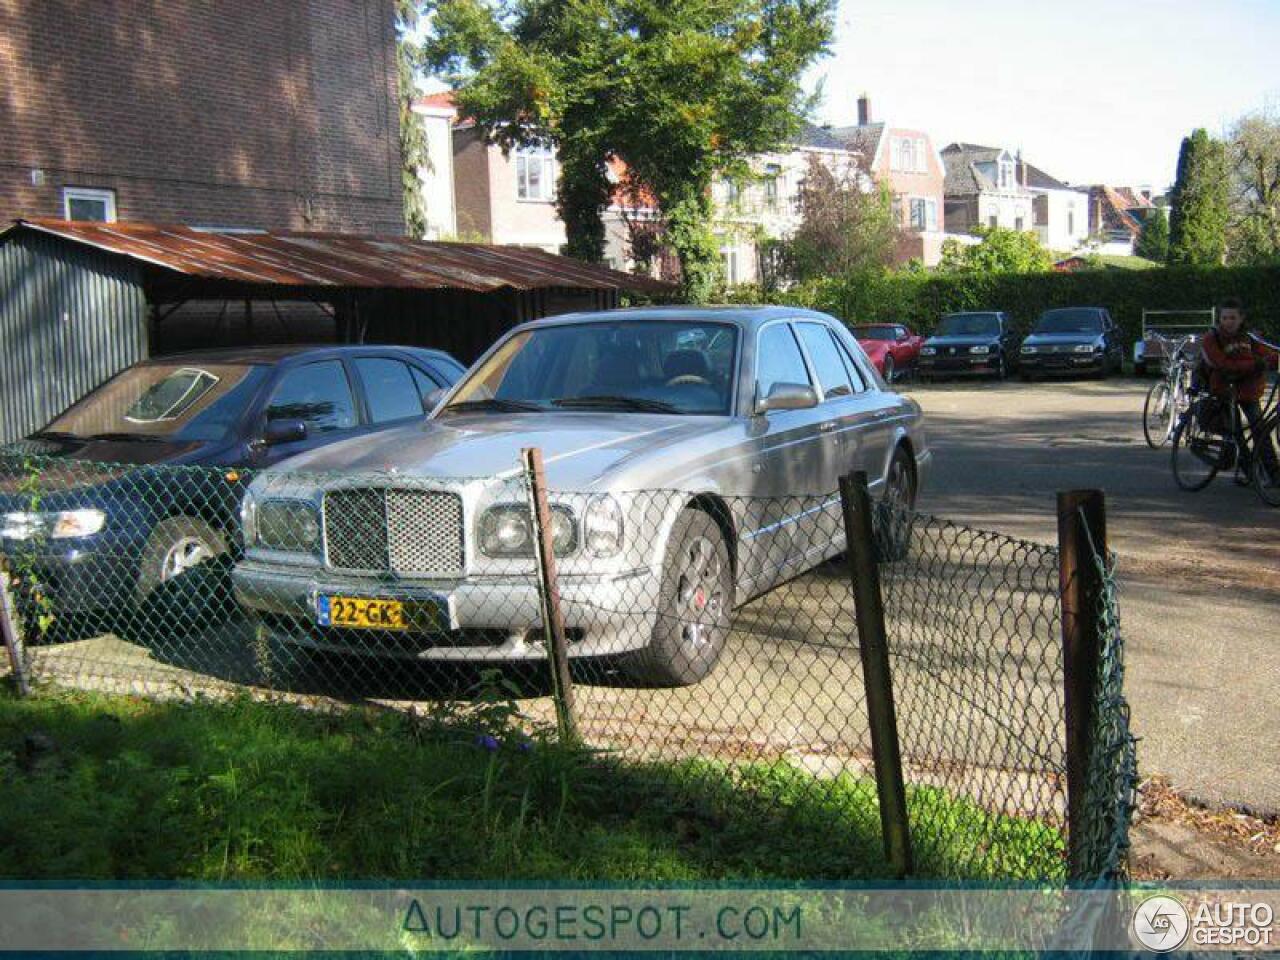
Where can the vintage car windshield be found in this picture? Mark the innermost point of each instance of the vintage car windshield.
(877, 333)
(968, 324)
(186, 402)
(1069, 321)
(641, 365)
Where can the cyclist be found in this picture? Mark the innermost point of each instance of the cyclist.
(1231, 355)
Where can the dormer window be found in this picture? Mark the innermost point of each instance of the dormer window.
(1007, 180)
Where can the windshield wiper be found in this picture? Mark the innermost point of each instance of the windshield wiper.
(126, 437)
(493, 403)
(605, 400)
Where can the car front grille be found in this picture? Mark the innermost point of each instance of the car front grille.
(405, 532)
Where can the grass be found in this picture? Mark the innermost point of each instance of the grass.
(106, 787)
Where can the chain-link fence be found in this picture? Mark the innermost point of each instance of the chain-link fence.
(713, 640)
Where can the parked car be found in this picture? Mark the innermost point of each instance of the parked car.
(891, 347)
(980, 343)
(119, 532)
(1073, 340)
(692, 455)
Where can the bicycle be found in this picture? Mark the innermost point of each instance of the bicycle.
(1204, 443)
(1168, 397)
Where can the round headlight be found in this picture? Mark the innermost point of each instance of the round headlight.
(288, 525)
(510, 532)
(602, 527)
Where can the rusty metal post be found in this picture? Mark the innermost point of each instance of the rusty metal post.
(12, 639)
(877, 677)
(1082, 530)
(549, 593)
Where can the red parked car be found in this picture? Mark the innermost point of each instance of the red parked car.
(890, 346)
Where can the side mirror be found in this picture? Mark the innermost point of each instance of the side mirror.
(284, 431)
(788, 396)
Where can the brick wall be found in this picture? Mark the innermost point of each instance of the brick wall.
(270, 113)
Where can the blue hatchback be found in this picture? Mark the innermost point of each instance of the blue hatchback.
(85, 502)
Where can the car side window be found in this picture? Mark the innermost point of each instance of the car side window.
(389, 389)
(856, 376)
(319, 394)
(830, 369)
(427, 385)
(778, 359)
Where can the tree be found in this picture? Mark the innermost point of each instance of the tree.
(1254, 151)
(846, 225)
(1001, 250)
(681, 91)
(413, 137)
(1201, 203)
(1153, 241)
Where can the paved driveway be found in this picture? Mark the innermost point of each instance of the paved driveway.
(1200, 572)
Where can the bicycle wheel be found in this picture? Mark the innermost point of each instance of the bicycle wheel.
(1157, 415)
(1264, 481)
(1197, 455)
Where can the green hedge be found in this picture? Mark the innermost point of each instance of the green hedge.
(919, 299)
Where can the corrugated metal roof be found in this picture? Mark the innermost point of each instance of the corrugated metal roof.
(301, 259)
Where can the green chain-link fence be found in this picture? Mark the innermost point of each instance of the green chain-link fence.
(716, 636)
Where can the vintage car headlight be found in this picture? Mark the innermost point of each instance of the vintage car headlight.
(1028, 348)
(507, 531)
(602, 526)
(980, 348)
(928, 351)
(58, 525)
(1087, 347)
(289, 525)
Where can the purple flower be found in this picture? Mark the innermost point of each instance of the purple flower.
(486, 742)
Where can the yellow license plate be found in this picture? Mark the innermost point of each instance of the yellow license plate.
(361, 613)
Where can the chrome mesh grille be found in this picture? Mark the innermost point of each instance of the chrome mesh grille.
(394, 530)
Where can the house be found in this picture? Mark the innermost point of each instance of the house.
(906, 160)
(1060, 213)
(984, 189)
(1117, 214)
(274, 115)
(438, 114)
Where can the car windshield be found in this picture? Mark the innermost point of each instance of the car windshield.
(968, 324)
(1069, 321)
(651, 365)
(187, 402)
(877, 333)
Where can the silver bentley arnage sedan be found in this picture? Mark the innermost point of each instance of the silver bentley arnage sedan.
(692, 457)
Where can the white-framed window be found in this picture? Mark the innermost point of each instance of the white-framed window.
(535, 174)
(1006, 175)
(729, 260)
(1019, 224)
(729, 189)
(772, 174)
(1071, 223)
(924, 214)
(89, 203)
(909, 155)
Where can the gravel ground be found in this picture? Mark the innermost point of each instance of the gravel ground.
(1200, 572)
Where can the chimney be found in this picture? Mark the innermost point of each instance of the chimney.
(864, 110)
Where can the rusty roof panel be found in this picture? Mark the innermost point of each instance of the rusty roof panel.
(301, 259)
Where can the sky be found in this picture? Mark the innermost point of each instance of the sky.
(1092, 91)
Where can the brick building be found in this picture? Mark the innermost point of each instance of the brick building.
(240, 113)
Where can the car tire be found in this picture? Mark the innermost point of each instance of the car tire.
(176, 547)
(893, 538)
(695, 602)
(888, 371)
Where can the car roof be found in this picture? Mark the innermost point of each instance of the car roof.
(747, 317)
(270, 355)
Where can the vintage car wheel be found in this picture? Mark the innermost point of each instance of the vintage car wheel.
(176, 547)
(694, 605)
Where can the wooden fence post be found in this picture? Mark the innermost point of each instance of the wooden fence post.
(549, 592)
(12, 640)
(876, 675)
(1082, 536)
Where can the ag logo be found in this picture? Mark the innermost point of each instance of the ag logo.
(1161, 923)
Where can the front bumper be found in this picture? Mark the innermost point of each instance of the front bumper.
(959, 365)
(477, 619)
(1063, 362)
(78, 578)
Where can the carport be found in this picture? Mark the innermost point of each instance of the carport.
(81, 301)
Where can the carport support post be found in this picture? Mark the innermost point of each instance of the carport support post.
(1082, 536)
(876, 676)
(549, 593)
(12, 643)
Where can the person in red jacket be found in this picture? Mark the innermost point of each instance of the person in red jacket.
(1233, 356)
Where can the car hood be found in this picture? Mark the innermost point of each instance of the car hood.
(965, 340)
(581, 450)
(1060, 339)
